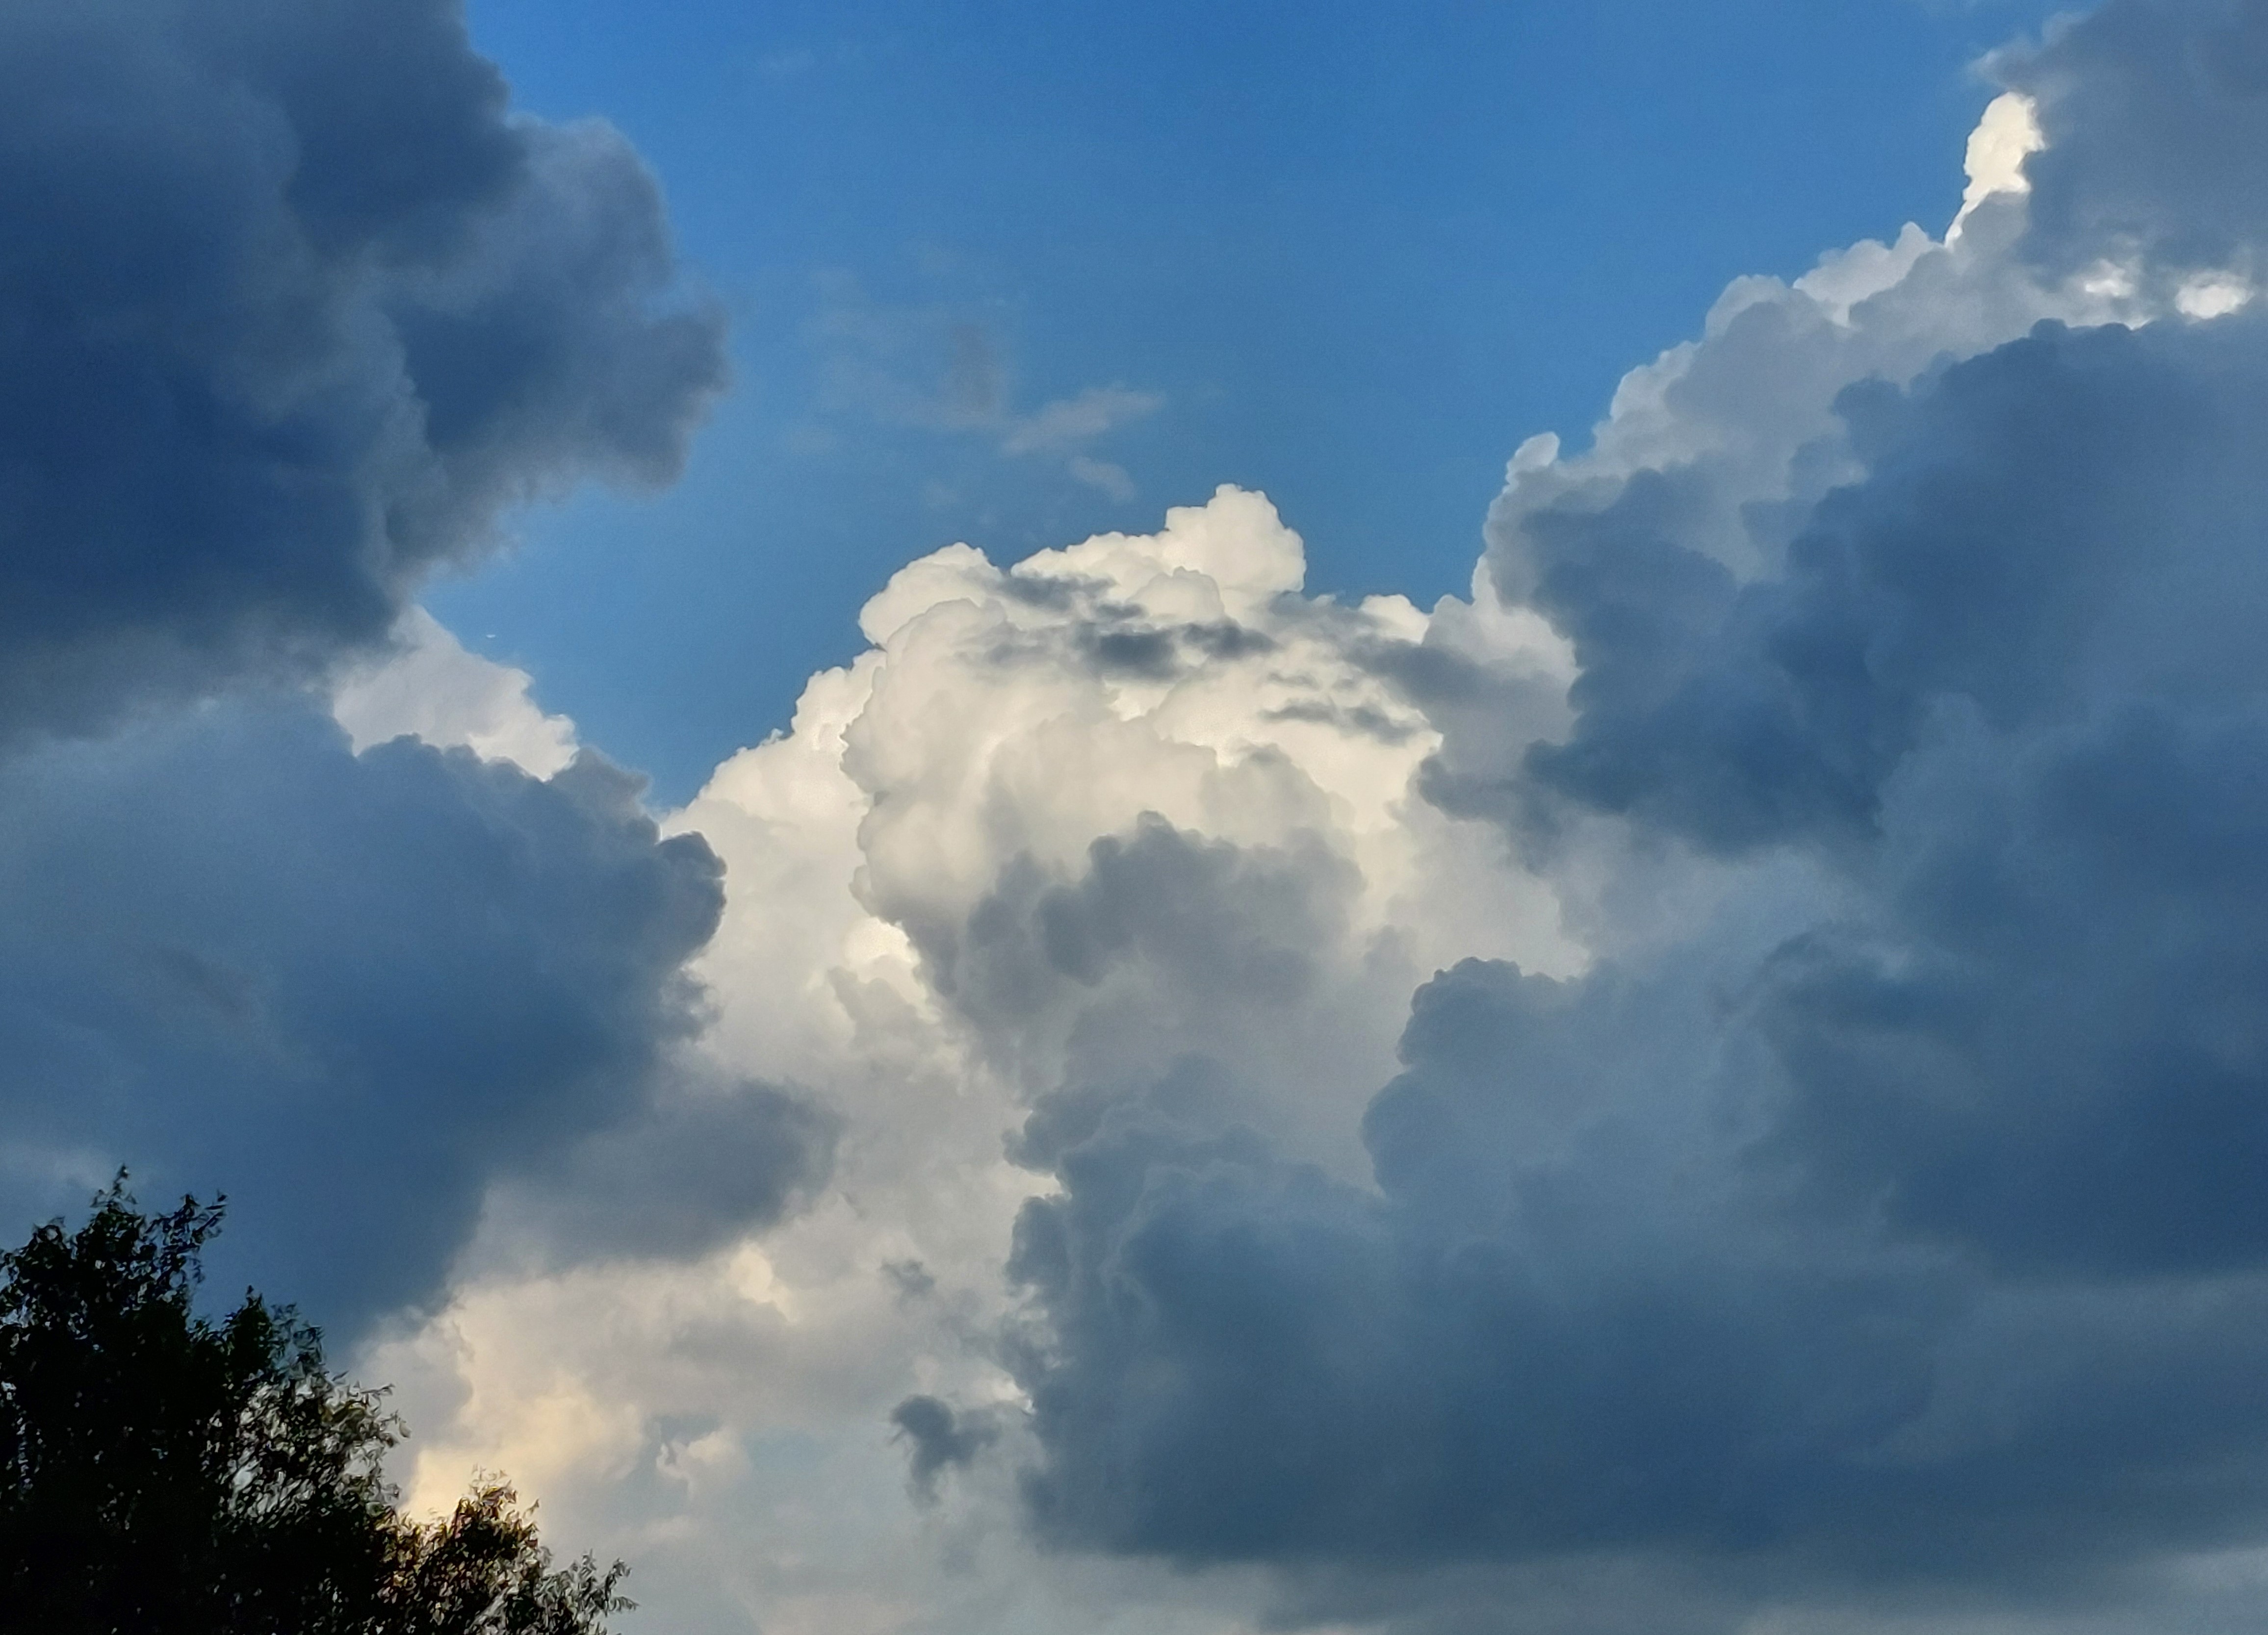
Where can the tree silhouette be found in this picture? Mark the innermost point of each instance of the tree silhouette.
(160, 1473)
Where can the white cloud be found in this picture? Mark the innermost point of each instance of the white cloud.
(1071, 421)
(429, 688)
(1004, 720)
(2213, 295)
(1103, 474)
(1745, 416)
(2008, 134)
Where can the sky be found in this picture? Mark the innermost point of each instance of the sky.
(1185, 822)
(1347, 255)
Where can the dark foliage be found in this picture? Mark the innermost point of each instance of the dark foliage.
(166, 1473)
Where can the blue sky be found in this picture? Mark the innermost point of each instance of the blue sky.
(1357, 252)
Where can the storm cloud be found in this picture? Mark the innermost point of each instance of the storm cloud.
(1884, 1210)
(348, 990)
(291, 305)
(2156, 113)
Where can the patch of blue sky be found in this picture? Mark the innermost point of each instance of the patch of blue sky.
(1014, 273)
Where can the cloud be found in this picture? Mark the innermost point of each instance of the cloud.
(1989, 557)
(700, 1163)
(1714, 1086)
(2009, 679)
(938, 1440)
(942, 369)
(2005, 139)
(295, 308)
(348, 989)
(1874, 1216)
(1071, 421)
(1103, 476)
(1572, 1325)
(428, 687)
(1130, 821)
(2154, 112)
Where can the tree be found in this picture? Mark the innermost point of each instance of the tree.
(160, 1473)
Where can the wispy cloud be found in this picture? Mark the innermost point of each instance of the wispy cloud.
(1072, 422)
(947, 371)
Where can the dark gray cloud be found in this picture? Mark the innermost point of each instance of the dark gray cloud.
(2012, 683)
(1993, 555)
(2044, 1043)
(290, 307)
(350, 989)
(700, 1164)
(1215, 916)
(940, 1440)
(1612, 1344)
(1904, 1222)
(1168, 946)
(2156, 115)
(1537, 1337)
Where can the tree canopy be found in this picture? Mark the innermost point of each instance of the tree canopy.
(162, 1472)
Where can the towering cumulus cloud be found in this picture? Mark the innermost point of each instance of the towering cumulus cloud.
(1883, 1211)
(1717, 1086)
(290, 307)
